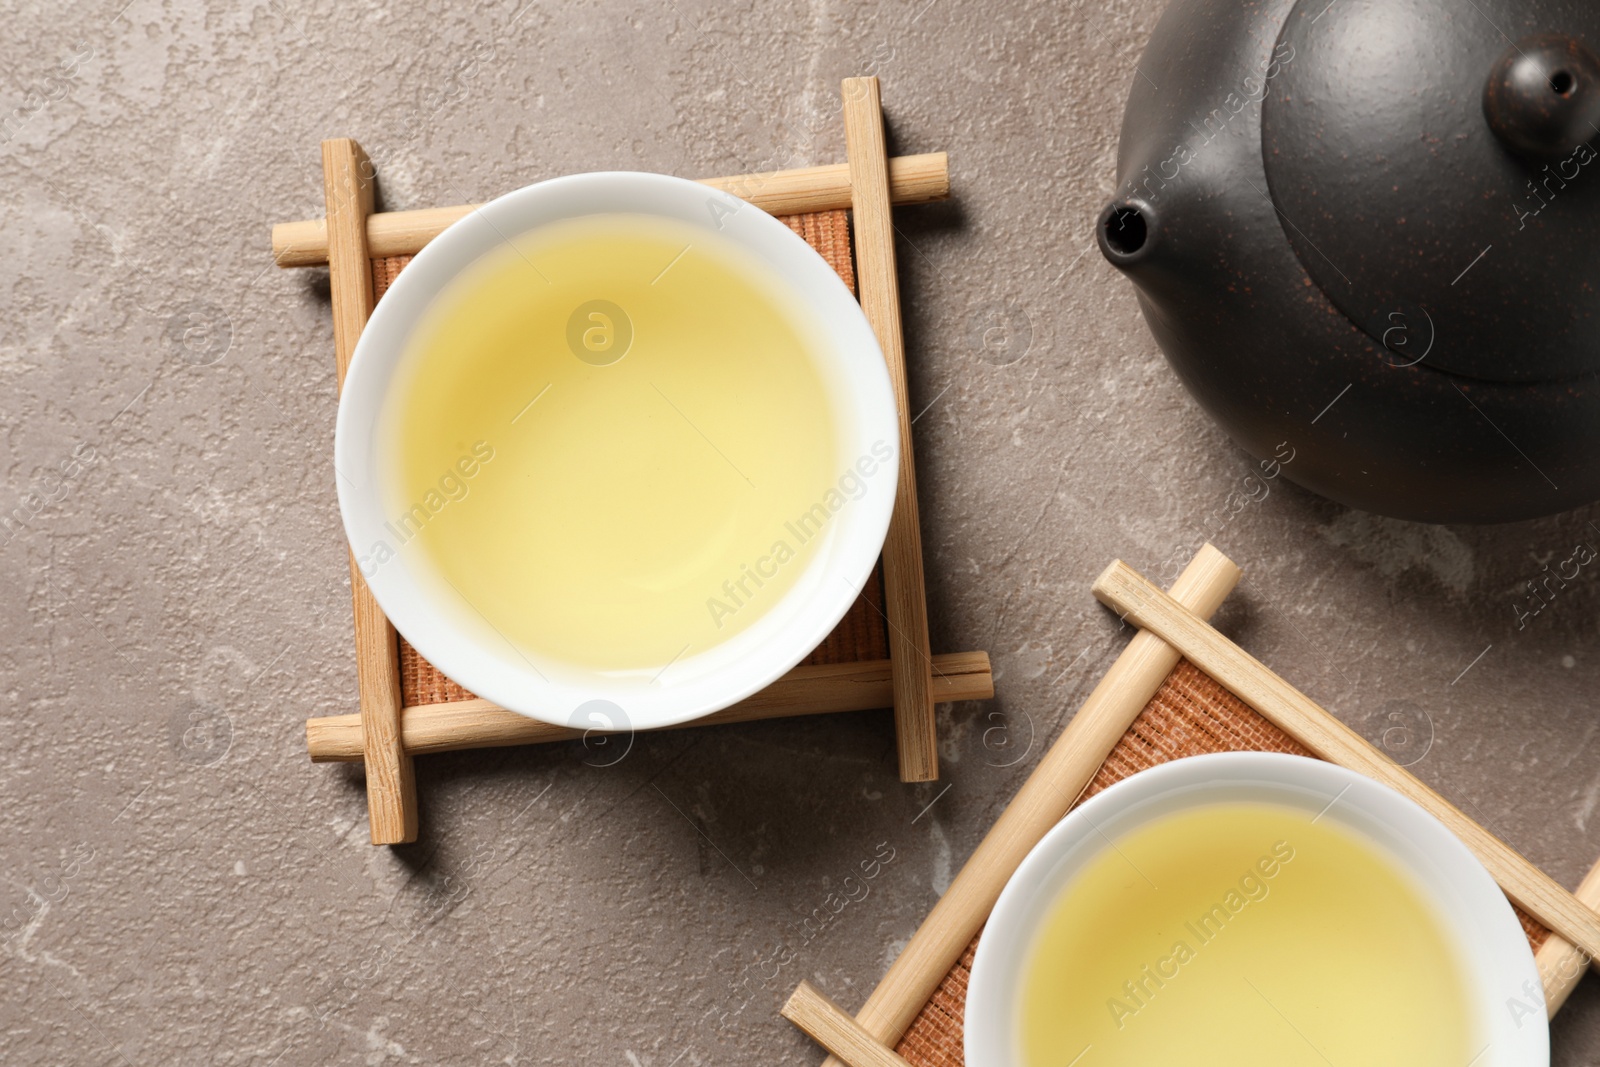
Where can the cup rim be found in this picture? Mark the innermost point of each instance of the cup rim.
(1472, 907)
(851, 364)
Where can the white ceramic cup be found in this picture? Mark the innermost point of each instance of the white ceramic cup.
(464, 646)
(1470, 905)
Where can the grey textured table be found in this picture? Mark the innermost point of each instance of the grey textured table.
(181, 886)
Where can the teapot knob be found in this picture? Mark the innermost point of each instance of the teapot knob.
(1543, 96)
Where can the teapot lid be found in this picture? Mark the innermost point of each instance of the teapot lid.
(1432, 167)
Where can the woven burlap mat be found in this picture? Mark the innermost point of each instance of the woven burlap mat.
(1189, 716)
(861, 635)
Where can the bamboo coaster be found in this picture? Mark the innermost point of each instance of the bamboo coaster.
(1125, 590)
(832, 1027)
(920, 179)
(391, 780)
(902, 551)
(878, 656)
(1179, 689)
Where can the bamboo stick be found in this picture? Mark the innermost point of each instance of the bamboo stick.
(905, 593)
(916, 179)
(1561, 965)
(831, 1027)
(1125, 590)
(347, 180)
(1044, 800)
(811, 690)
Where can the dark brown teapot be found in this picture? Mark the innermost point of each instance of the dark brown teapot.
(1369, 228)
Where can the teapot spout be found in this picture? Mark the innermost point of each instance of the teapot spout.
(1128, 231)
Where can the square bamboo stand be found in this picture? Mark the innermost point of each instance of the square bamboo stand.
(878, 657)
(1178, 689)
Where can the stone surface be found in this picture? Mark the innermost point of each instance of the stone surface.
(181, 886)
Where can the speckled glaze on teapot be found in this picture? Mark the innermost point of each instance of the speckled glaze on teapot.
(1369, 228)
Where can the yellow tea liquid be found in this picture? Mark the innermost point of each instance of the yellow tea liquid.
(1244, 935)
(610, 438)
